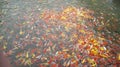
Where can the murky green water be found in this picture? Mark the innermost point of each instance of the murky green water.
(20, 11)
(17, 8)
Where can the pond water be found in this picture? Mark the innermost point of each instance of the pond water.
(42, 33)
